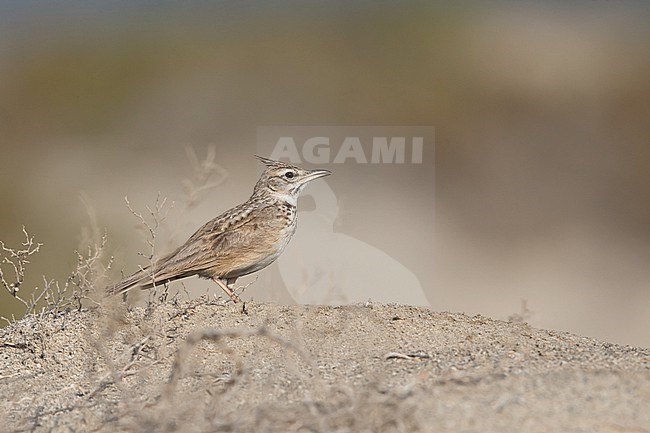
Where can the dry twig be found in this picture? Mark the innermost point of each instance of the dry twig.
(207, 174)
(17, 259)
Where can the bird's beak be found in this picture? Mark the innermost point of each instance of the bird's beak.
(315, 174)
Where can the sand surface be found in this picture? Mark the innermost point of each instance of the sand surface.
(202, 365)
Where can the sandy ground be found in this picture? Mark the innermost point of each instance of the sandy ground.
(202, 365)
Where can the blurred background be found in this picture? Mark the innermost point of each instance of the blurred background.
(541, 116)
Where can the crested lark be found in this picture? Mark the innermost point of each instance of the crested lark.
(238, 242)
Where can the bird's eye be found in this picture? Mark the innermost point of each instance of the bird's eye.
(289, 174)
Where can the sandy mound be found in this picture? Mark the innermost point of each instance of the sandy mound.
(205, 366)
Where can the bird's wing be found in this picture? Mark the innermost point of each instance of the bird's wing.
(202, 251)
(210, 243)
(196, 255)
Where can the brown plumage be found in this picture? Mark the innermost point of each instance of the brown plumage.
(238, 242)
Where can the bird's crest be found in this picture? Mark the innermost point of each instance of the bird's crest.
(271, 163)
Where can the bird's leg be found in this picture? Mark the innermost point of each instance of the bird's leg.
(227, 289)
(230, 282)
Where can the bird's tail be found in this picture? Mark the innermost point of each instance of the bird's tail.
(143, 279)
